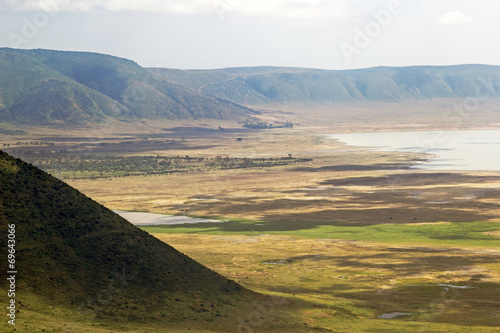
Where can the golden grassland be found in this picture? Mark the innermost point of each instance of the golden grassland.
(333, 283)
(345, 285)
(340, 184)
(332, 279)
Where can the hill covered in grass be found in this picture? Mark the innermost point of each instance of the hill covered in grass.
(55, 87)
(72, 253)
(261, 85)
(75, 88)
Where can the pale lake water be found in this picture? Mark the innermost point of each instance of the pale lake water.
(453, 150)
(143, 219)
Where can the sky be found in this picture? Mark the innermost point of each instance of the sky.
(204, 34)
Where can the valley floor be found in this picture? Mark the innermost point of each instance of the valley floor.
(344, 286)
(340, 238)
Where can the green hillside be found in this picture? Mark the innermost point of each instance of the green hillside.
(75, 254)
(257, 85)
(43, 86)
(35, 93)
(55, 87)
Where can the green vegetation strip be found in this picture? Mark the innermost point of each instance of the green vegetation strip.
(67, 165)
(453, 233)
(12, 132)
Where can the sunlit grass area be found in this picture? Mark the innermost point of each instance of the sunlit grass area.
(344, 285)
(342, 237)
(477, 234)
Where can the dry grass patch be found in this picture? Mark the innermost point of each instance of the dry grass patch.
(347, 282)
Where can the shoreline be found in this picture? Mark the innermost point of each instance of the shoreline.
(147, 219)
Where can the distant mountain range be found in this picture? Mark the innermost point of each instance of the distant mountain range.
(261, 85)
(52, 87)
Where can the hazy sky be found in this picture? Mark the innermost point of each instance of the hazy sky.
(330, 34)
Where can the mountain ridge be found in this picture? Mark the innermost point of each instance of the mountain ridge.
(76, 88)
(310, 85)
(47, 87)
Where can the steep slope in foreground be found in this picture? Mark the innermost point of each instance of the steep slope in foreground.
(47, 87)
(74, 253)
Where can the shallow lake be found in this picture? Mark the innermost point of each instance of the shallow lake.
(143, 219)
(453, 150)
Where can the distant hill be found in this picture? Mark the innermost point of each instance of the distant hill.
(72, 252)
(55, 87)
(261, 85)
(47, 87)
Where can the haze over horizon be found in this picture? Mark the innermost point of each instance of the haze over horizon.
(326, 34)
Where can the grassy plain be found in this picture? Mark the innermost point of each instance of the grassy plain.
(343, 286)
(343, 238)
